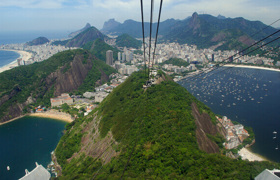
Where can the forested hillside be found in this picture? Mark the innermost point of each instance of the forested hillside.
(26, 86)
(147, 134)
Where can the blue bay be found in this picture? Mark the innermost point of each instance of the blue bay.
(26, 141)
(249, 96)
(6, 57)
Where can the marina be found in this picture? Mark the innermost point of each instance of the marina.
(248, 96)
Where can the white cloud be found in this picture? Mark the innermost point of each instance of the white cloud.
(43, 4)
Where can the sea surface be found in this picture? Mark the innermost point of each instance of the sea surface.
(249, 96)
(17, 37)
(26, 141)
(6, 57)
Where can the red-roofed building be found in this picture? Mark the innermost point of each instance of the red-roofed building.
(64, 98)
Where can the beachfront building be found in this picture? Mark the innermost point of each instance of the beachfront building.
(64, 98)
(235, 134)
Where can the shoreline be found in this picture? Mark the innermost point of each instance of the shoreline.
(247, 154)
(252, 67)
(52, 114)
(23, 54)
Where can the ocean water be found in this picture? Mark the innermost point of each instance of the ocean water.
(249, 96)
(17, 37)
(26, 141)
(6, 57)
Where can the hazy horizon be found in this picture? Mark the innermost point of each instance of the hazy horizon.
(26, 15)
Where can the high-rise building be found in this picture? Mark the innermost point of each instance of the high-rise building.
(123, 57)
(119, 56)
(109, 57)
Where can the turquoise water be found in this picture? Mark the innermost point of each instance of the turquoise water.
(26, 141)
(249, 96)
(6, 57)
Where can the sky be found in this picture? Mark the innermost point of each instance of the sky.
(37, 15)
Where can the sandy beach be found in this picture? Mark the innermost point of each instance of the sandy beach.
(246, 154)
(23, 54)
(53, 114)
(253, 67)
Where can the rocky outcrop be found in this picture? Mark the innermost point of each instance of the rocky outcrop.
(6, 97)
(204, 127)
(14, 111)
(73, 78)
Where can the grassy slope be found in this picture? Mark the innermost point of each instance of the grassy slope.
(158, 127)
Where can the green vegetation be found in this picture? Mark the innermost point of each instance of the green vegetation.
(88, 35)
(98, 70)
(138, 52)
(24, 81)
(59, 42)
(99, 49)
(125, 40)
(34, 80)
(176, 62)
(155, 131)
(38, 41)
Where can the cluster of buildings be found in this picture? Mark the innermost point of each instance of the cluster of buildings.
(177, 69)
(123, 65)
(64, 98)
(39, 53)
(125, 56)
(235, 134)
(89, 98)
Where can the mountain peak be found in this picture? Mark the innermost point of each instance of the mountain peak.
(110, 24)
(194, 15)
(87, 26)
(73, 34)
(194, 21)
(221, 17)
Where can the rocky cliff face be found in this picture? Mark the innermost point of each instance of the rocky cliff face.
(204, 127)
(73, 78)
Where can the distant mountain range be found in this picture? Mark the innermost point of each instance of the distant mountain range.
(203, 30)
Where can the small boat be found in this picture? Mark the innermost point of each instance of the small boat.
(8, 168)
(274, 132)
(276, 147)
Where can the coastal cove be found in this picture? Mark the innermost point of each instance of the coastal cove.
(25, 141)
(8, 58)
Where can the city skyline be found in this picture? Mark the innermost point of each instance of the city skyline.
(26, 15)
